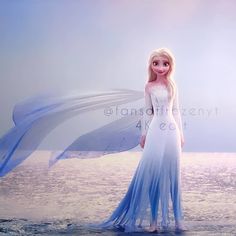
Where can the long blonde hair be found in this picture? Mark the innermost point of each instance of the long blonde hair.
(152, 76)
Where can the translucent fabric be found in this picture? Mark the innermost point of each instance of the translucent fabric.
(36, 117)
(157, 177)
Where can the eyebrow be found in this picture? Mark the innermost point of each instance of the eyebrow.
(157, 60)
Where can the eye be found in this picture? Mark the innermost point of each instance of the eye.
(155, 63)
(166, 63)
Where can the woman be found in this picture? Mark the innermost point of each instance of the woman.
(157, 177)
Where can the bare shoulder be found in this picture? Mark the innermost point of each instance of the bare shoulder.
(148, 86)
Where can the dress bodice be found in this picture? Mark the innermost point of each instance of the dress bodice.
(161, 101)
(161, 106)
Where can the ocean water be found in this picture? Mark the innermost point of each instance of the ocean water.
(35, 201)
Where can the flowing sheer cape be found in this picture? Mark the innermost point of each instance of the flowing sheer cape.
(35, 117)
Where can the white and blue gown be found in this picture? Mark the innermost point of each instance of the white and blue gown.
(158, 173)
(156, 180)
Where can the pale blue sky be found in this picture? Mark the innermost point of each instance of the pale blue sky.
(102, 44)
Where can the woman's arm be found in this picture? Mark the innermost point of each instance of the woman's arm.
(177, 115)
(147, 111)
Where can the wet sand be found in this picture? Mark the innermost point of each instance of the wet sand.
(79, 191)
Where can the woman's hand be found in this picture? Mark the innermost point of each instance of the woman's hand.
(142, 141)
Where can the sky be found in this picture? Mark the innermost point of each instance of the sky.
(64, 45)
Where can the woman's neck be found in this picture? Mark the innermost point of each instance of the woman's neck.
(161, 80)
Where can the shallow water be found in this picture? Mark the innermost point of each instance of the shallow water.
(75, 192)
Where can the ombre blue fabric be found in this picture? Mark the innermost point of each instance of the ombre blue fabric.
(156, 180)
(36, 117)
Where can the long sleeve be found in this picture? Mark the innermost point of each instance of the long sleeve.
(147, 112)
(176, 112)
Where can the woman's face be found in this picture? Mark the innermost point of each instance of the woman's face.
(160, 65)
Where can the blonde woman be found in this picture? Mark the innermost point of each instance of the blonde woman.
(145, 206)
